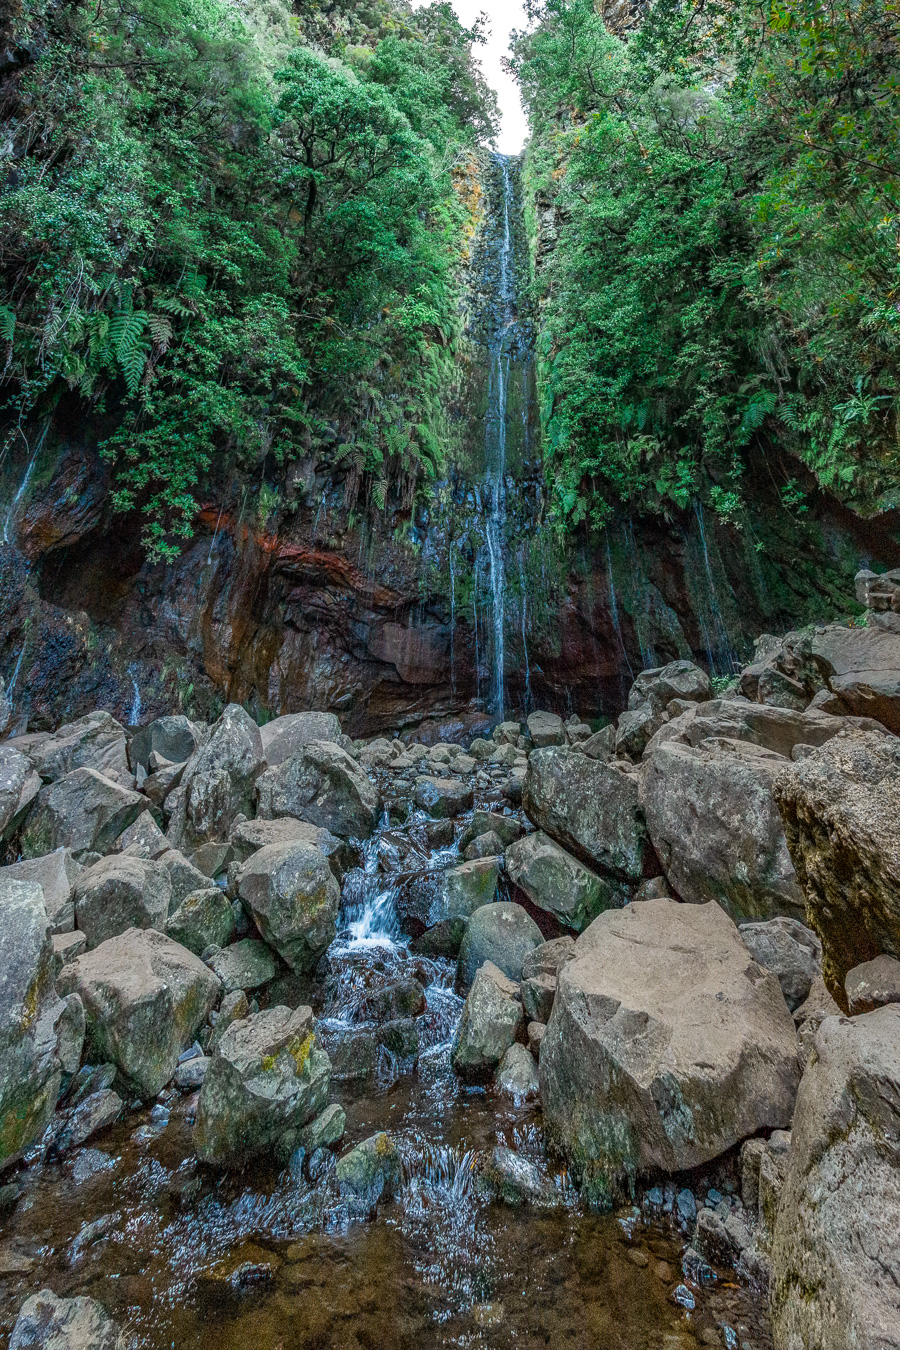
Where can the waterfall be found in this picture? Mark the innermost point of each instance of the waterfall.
(452, 622)
(23, 486)
(720, 634)
(134, 713)
(495, 443)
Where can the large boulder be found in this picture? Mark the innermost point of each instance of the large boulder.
(776, 729)
(218, 783)
(558, 883)
(443, 798)
(873, 984)
(492, 1019)
(203, 919)
(46, 1322)
(34, 1021)
(247, 964)
(716, 829)
(284, 737)
(679, 679)
(836, 1250)
(589, 807)
(666, 1046)
(840, 807)
(96, 741)
(321, 784)
(121, 892)
(249, 836)
(14, 772)
(465, 888)
(144, 998)
(790, 950)
(546, 729)
(294, 900)
(267, 1079)
(56, 874)
(82, 811)
(503, 933)
(862, 666)
(173, 738)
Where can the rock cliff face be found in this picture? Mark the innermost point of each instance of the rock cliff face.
(316, 612)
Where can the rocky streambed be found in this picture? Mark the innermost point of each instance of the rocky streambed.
(555, 1037)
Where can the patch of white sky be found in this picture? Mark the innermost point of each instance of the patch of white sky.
(502, 16)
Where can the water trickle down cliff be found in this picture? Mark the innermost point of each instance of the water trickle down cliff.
(493, 538)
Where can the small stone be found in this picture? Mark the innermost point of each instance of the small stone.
(371, 1171)
(326, 1130)
(517, 1076)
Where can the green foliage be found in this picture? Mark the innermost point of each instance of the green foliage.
(724, 275)
(235, 248)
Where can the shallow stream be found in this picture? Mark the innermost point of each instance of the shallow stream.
(273, 1261)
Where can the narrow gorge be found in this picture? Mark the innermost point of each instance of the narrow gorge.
(449, 680)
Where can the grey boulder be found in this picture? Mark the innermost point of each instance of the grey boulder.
(790, 950)
(243, 965)
(716, 828)
(267, 1079)
(294, 899)
(144, 997)
(666, 1046)
(589, 807)
(558, 883)
(503, 933)
(443, 798)
(173, 738)
(96, 741)
(56, 874)
(492, 1020)
(121, 892)
(679, 679)
(82, 811)
(14, 773)
(203, 919)
(873, 984)
(38, 1031)
(517, 1076)
(322, 785)
(840, 808)
(283, 737)
(836, 1250)
(546, 729)
(218, 783)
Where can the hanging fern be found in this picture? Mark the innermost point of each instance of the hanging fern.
(126, 337)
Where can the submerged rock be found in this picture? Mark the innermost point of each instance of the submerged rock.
(836, 1252)
(666, 1046)
(267, 1079)
(503, 933)
(46, 1322)
(294, 899)
(515, 1180)
(144, 998)
(371, 1171)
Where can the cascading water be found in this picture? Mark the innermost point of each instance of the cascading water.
(9, 520)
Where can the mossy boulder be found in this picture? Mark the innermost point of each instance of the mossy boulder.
(293, 897)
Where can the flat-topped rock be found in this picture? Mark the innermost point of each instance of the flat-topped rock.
(284, 736)
(443, 798)
(82, 811)
(666, 1046)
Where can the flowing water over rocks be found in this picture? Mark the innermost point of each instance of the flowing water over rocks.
(284, 1260)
